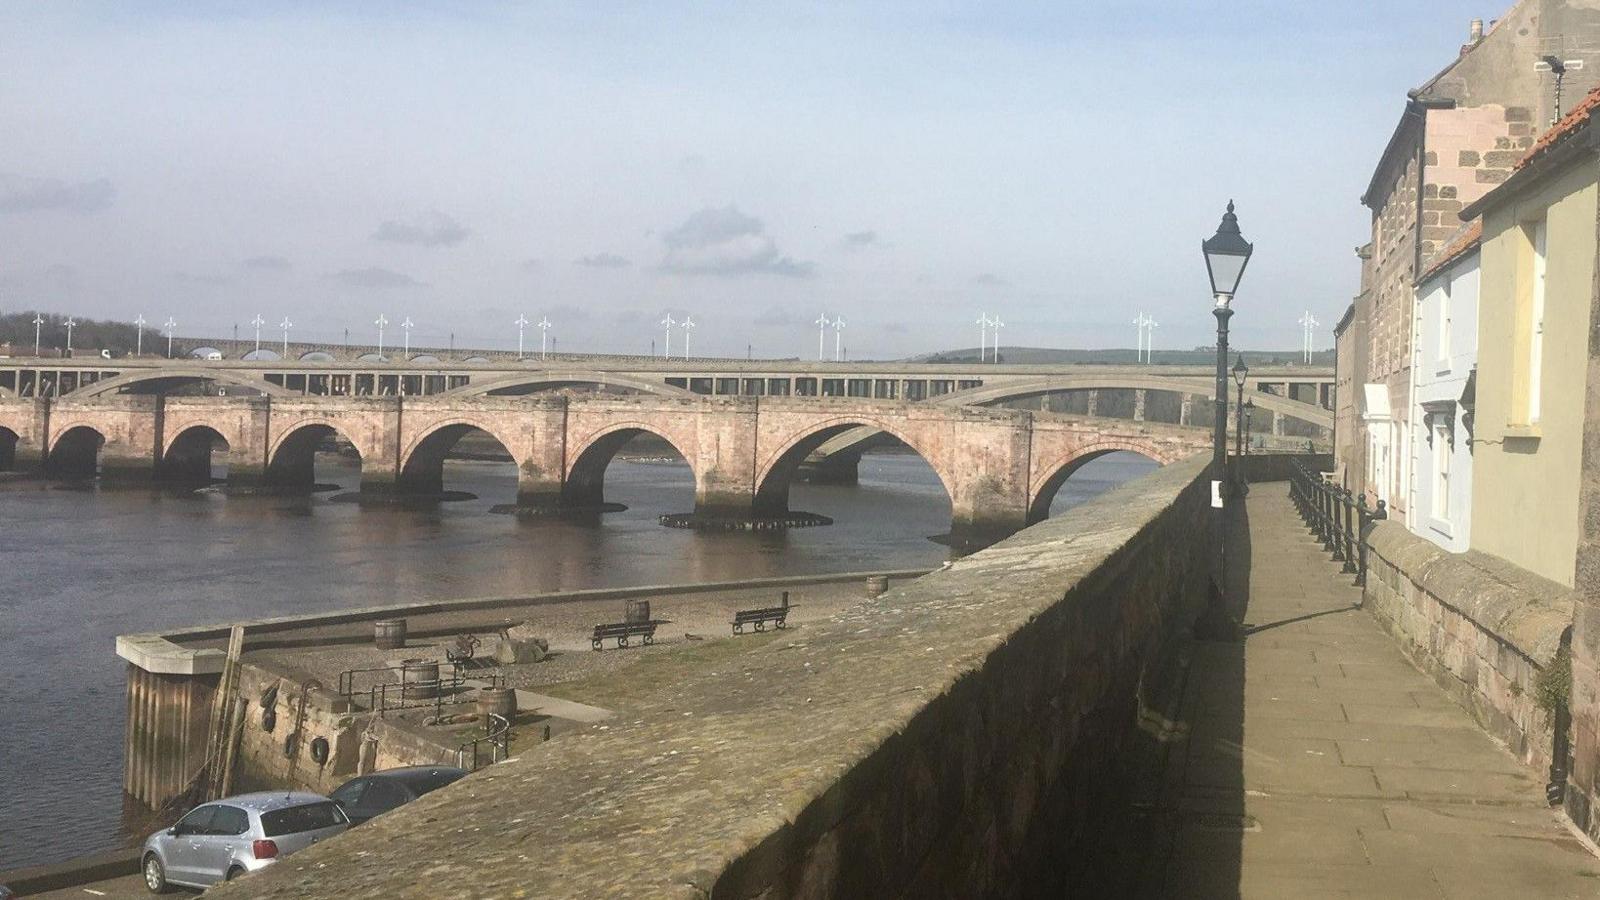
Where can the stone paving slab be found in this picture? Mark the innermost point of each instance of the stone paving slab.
(1321, 763)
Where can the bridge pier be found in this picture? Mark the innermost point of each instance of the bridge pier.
(1138, 405)
(1094, 403)
(1186, 410)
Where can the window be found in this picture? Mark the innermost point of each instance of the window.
(1536, 321)
(1528, 325)
(1444, 321)
(307, 817)
(1441, 466)
(229, 820)
(196, 822)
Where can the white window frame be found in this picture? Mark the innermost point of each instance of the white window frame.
(1444, 324)
(1536, 320)
(1441, 467)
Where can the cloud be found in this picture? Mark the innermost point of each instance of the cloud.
(374, 277)
(206, 280)
(20, 194)
(431, 229)
(897, 328)
(989, 279)
(780, 317)
(603, 261)
(532, 265)
(727, 242)
(566, 314)
(861, 240)
(267, 263)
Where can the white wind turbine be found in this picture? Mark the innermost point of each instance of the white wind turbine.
(668, 322)
(995, 324)
(838, 331)
(521, 323)
(407, 325)
(138, 340)
(983, 336)
(258, 322)
(687, 325)
(286, 325)
(544, 334)
(822, 329)
(381, 321)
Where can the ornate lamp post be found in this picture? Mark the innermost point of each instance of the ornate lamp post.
(1249, 411)
(1227, 253)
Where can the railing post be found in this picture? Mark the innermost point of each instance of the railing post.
(1330, 506)
(1352, 535)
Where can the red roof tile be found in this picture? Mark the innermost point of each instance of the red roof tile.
(1463, 244)
(1570, 123)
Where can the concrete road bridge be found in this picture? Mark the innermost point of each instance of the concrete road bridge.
(1000, 467)
(1292, 400)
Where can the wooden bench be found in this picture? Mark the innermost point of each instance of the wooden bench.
(778, 615)
(623, 631)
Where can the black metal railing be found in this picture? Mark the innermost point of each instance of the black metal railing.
(493, 747)
(1336, 517)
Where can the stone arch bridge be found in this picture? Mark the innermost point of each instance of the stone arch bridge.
(1000, 467)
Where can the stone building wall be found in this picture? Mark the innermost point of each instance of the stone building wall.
(1485, 630)
(966, 729)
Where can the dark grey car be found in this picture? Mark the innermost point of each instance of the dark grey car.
(374, 794)
(222, 840)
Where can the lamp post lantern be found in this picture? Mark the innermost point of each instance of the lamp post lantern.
(1249, 410)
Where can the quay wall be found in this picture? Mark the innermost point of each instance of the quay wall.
(968, 728)
(1485, 629)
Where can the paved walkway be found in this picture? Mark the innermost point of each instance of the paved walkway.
(1321, 763)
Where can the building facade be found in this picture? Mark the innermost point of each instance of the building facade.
(1459, 135)
(1537, 278)
(1444, 362)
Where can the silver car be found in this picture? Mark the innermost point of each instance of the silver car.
(223, 840)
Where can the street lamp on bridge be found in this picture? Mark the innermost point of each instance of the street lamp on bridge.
(1240, 373)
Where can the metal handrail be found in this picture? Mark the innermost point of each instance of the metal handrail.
(1339, 519)
(498, 739)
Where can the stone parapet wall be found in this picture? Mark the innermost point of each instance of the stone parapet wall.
(965, 729)
(1482, 627)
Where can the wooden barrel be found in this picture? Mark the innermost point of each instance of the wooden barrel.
(497, 700)
(420, 679)
(876, 585)
(389, 634)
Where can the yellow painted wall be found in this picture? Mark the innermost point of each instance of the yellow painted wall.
(1525, 479)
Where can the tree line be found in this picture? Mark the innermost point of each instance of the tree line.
(89, 336)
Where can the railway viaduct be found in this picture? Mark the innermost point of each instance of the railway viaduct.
(1000, 467)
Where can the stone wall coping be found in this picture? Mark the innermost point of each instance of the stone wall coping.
(165, 652)
(722, 776)
(1524, 611)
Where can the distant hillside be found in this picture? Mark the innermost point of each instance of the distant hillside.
(89, 336)
(1124, 356)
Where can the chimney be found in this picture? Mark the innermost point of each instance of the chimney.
(1474, 36)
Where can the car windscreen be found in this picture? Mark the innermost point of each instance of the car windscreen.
(305, 817)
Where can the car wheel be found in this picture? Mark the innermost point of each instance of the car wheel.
(155, 874)
(233, 872)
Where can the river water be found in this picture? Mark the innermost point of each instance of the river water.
(80, 565)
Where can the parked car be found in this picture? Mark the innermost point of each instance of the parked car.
(223, 840)
(377, 793)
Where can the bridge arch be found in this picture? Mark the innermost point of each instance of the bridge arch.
(1017, 390)
(777, 471)
(169, 377)
(75, 452)
(292, 457)
(530, 382)
(316, 356)
(422, 460)
(584, 485)
(188, 454)
(1054, 473)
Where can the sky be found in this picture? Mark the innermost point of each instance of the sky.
(904, 166)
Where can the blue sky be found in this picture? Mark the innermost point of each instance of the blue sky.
(903, 165)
